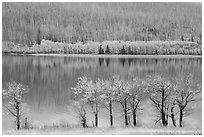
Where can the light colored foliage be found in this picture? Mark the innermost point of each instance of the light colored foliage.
(28, 23)
(13, 102)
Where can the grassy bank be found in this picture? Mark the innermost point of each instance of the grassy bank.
(108, 47)
(103, 131)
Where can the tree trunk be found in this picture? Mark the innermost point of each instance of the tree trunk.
(17, 116)
(111, 113)
(134, 117)
(181, 118)
(26, 123)
(96, 119)
(18, 123)
(166, 123)
(173, 116)
(162, 111)
(96, 115)
(125, 111)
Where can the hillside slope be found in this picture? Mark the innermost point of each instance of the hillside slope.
(29, 23)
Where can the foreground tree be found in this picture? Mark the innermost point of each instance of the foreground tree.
(12, 100)
(107, 96)
(82, 112)
(122, 89)
(160, 94)
(186, 90)
(136, 92)
(90, 94)
(173, 113)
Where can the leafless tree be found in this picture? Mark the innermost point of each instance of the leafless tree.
(82, 112)
(122, 95)
(186, 90)
(159, 88)
(107, 97)
(13, 102)
(90, 94)
(136, 92)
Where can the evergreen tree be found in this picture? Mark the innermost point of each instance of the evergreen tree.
(38, 36)
(107, 51)
(101, 51)
(122, 51)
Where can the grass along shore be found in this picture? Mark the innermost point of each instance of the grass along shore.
(115, 56)
(107, 47)
(106, 131)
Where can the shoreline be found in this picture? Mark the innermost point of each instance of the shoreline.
(107, 131)
(109, 48)
(108, 56)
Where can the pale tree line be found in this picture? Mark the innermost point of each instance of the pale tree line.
(170, 97)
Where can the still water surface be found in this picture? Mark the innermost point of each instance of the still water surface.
(51, 77)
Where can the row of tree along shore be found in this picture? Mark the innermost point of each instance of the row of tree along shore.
(107, 47)
(171, 99)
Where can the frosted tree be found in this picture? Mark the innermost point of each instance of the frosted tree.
(13, 102)
(160, 94)
(80, 107)
(87, 89)
(136, 93)
(107, 96)
(186, 91)
(122, 95)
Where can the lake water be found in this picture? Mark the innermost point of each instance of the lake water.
(51, 77)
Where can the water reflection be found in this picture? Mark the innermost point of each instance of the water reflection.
(50, 78)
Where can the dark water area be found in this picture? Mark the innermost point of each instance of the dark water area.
(50, 79)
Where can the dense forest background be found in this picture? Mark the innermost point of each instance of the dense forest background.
(29, 23)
